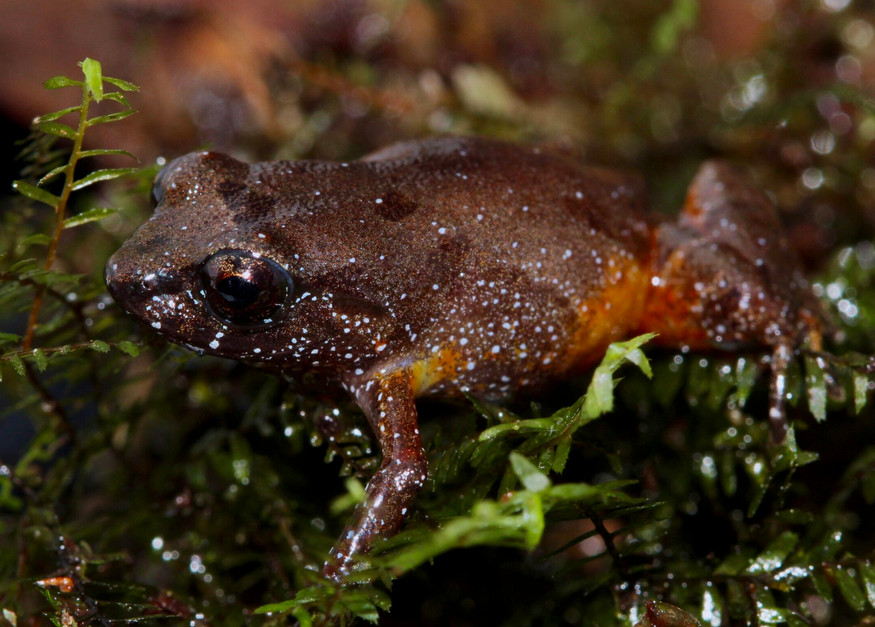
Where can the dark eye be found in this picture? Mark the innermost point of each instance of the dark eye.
(243, 288)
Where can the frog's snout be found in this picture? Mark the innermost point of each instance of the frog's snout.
(147, 296)
(120, 284)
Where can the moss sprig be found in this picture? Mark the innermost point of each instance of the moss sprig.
(92, 91)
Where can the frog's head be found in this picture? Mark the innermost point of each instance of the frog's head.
(217, 270)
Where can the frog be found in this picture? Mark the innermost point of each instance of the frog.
(453, 266)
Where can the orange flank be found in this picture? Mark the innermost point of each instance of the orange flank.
(673, 308)
(610, 314)
(437, 367)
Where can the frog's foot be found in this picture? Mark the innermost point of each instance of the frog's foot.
(782, 354)
(778, 392)
(346, 438)
(388, 402)
(809, 341)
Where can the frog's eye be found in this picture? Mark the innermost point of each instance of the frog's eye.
(243, 288)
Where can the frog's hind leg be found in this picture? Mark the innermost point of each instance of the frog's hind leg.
(732, 275)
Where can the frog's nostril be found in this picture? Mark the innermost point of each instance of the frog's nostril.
(121, 283)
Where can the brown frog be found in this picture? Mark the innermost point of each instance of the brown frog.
(450, 266)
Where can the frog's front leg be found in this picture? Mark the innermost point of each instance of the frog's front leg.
(388, 402)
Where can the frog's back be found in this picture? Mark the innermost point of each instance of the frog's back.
(524, 207)
(497, 184)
